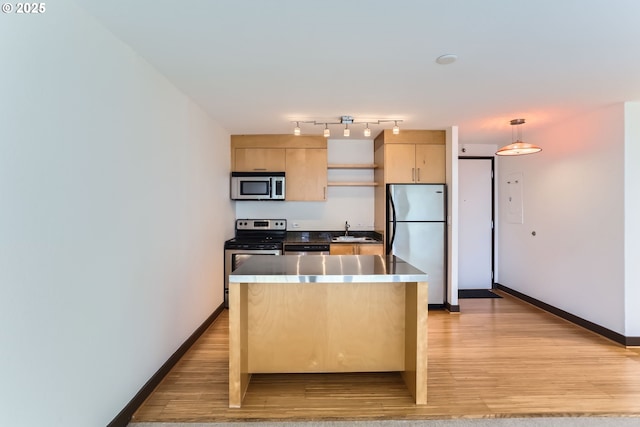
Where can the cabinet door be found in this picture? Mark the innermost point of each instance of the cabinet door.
(342, 249)
(259, 160)
(306, 174)
(371, 249)
(399, 163)
(430, 164)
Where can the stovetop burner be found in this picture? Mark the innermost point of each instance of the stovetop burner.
(258, 234)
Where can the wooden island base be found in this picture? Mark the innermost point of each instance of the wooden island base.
(327, 327)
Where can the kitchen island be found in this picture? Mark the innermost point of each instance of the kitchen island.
(345, 313)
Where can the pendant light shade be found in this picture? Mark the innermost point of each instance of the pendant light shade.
(518, 147)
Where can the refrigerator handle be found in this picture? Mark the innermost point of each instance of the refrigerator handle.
(391, 238)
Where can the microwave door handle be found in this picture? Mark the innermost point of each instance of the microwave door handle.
(271, 188)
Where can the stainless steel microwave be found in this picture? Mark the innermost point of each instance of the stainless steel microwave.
(257, 185)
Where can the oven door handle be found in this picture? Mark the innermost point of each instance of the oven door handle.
(253, 251)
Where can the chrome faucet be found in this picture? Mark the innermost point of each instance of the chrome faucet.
(346, 228)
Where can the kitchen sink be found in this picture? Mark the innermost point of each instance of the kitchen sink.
(352, 239)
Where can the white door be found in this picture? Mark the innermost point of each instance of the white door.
(475, 234)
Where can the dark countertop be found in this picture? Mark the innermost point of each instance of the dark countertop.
(326, 236)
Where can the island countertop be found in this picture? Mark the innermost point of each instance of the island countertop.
(326, 269)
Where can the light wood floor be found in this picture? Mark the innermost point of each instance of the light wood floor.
(498, 358)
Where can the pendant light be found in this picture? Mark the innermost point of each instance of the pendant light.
(296, 130)
(518, 148)
(367, 130)
(396, 129)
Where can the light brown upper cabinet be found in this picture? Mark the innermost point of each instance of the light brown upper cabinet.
(306, 174)
(400, 163)
(411, 157)
(259, 160)
(430, 163)
(303, 159)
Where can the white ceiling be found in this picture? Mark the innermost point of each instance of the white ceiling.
(255, 65)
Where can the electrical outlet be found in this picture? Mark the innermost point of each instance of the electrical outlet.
(295, 225)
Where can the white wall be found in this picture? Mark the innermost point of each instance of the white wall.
(353, 204)
(632, 214)
(480, 150)
(452, 215)
(111, 222)
(573, 198)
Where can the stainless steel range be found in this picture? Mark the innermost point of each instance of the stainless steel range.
(254, 237)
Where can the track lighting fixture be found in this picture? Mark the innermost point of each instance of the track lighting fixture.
(518, 148)
(346, 121)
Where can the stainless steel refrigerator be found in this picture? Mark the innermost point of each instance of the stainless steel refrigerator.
(416, 231)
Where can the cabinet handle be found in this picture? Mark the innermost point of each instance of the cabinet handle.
(259, 169)
(413, 174)
(324, 190)
(418, 180)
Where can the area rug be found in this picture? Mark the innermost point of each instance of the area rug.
(476, 293)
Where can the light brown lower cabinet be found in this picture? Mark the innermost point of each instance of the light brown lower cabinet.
(327, 327)
(357, 249)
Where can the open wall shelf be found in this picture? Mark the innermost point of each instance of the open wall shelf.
(352, 183)
(352, 166)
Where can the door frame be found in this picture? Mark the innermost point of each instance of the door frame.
(493, 210)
